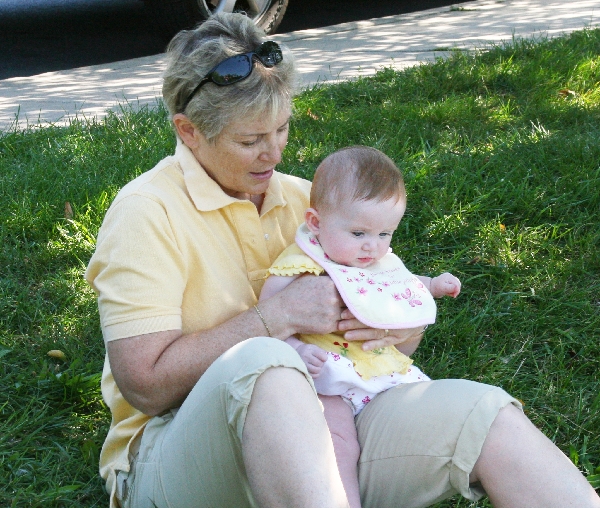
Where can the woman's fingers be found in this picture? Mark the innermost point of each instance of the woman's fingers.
(393, 338)
(355, 330)
(347, 314)
(375, 338)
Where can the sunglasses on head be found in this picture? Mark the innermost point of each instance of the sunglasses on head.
(238, 67)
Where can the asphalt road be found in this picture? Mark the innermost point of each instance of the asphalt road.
(38, 36)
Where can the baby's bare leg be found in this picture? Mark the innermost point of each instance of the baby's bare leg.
(340, 420)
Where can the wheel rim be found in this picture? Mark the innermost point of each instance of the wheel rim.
(255, 9)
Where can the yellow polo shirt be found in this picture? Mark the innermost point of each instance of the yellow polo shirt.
(176, 253)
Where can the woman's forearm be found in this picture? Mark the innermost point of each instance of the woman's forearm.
(155, 372)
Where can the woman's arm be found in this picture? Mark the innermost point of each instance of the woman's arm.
(156, 371)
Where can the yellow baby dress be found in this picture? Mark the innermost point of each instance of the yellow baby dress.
(377, 362)
(359, 375)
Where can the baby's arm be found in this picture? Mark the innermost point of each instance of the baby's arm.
(313, 356)
(274, 284)
(445, 284)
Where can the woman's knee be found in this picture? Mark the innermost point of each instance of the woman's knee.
(255, 355)
(266, 348)
(236, 371)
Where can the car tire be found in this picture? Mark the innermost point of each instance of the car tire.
(171, 16)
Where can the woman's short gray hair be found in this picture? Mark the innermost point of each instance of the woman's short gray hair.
(193, 53)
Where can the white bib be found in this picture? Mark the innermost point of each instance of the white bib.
(384, 295)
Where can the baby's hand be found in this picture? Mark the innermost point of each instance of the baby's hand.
(445, 284)
(314, 357)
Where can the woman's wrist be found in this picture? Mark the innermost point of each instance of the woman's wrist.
(269, 313)
(264, 322)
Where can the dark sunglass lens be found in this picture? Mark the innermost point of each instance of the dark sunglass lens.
(232, 70)
(269, 53)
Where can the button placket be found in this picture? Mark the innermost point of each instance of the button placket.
(253, 241)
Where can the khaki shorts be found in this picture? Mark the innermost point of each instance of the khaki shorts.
(419, 441)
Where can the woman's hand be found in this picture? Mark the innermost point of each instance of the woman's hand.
(406, 340)
(308, 305)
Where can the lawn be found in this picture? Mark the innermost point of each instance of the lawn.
(501, 156)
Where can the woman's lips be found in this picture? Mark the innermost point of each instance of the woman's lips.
(264, 175)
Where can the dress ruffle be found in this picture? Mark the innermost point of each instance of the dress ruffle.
(293, 261)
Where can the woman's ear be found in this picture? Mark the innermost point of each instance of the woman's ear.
(311, 217)
(186, 130)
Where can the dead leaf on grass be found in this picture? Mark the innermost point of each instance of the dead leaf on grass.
(566, 93)
(68, 210)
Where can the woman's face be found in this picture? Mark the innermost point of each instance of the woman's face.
(245, 154)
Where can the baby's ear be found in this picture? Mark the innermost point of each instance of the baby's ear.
(311, 217)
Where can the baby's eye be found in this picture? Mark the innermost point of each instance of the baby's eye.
(358, 234)
(383, 235)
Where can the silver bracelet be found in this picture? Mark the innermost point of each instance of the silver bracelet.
(263, 320)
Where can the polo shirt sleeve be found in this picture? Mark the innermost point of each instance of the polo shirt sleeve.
(137, 270)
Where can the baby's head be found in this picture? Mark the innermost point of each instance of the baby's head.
(357, 200)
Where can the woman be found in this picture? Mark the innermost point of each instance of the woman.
(210, 407)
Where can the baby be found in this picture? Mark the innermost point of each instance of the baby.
(357, 201)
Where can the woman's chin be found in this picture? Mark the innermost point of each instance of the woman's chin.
(258, 183)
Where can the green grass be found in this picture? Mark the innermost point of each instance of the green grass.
(501, 156)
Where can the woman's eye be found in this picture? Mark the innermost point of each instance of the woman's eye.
(249, 143)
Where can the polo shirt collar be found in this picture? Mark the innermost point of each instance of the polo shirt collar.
(207, 195)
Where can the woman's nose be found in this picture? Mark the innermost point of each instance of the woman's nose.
(272, 152)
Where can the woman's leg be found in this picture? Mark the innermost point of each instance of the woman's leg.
(287, 449)
(520, 467)
(251, 433)
(424, 442)
(340, 420)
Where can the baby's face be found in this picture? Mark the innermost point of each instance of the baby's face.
(358, 233)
